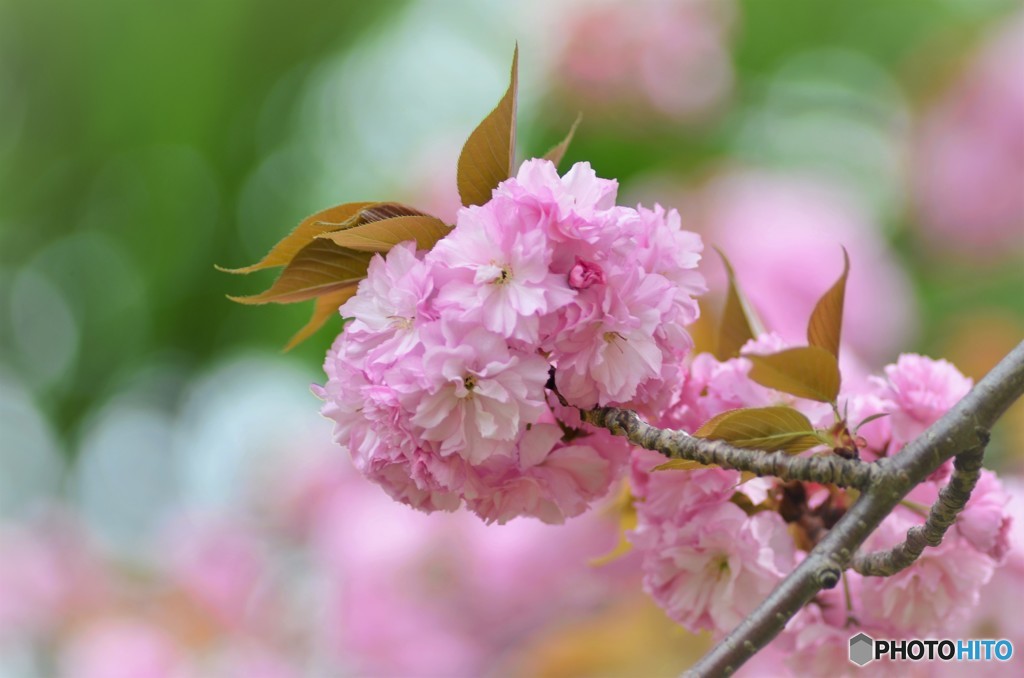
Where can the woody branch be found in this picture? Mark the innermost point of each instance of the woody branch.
(962, 432)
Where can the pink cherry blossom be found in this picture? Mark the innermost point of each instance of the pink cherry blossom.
(384, 312)
(605, 352)
(585, 274)
(438, 385)
(938, 591)
(920, 391)
(969, 165)
(710, 387)
(496, 270)
(998, 613)
(665, 59)
(550, 479)
(470, 392)
(710, 571)
(875, 434)
(673, 496)
(985, 522)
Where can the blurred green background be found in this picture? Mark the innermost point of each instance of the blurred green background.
(143, 142)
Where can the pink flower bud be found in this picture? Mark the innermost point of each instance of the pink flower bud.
(585, 274)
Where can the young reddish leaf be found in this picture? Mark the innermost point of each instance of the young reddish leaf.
(739, 323)
(826, 324)
(556, 154)
(762, 428)
(303, 234)
(806, 372)
(381, 211)
(321, 267)
(489, 153)
(324, 308)
(869, 419)
(381, 236)
(681, 465)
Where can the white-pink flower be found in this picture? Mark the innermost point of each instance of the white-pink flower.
(496, 271)
(607, 347)
(439, 383)
(470, 392)
(390, 304)
(712, 570)
(939, 590)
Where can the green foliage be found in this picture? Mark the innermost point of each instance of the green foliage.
(806, 372)
(762, 428)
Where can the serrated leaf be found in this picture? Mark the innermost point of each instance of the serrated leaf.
(826, 324)
(489, 153)
(806, 372)
(739, 324)
(762, 428)
(321, 267)
(324, 308)
(303, 234)
(681, 465)
(556, 154)
(381, 236)
(380, 211)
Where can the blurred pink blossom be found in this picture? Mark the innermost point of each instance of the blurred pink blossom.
(444, 594)
(969, 169)
(47, 573)
(783, 236)
(123, 648)
(670, 59)
(220, 563)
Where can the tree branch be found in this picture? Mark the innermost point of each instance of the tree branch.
(952, 500)
(964, 427)
(827, 470)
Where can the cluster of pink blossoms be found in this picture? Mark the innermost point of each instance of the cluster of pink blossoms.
(445, 387)
(439, 382)
(709, 559)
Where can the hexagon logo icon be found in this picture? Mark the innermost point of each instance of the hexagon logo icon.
(861, 649)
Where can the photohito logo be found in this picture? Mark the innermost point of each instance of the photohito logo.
(861, 649)
(865, 649)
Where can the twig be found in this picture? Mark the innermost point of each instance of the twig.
(951, 501)
(673, 444)
(964, 427)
